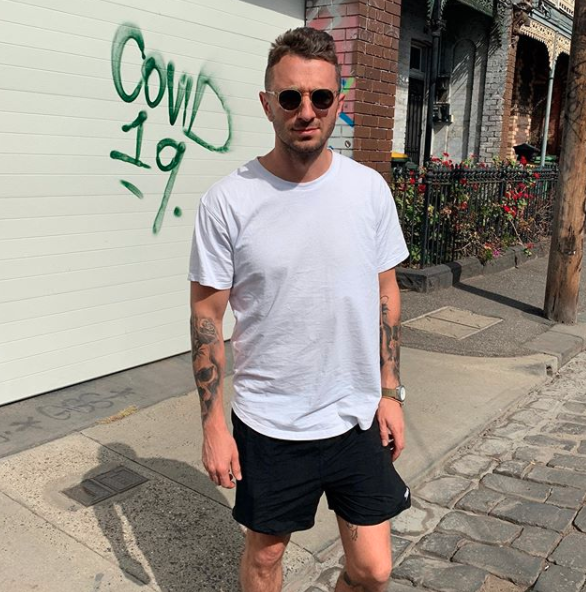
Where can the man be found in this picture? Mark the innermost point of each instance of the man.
(302, 242)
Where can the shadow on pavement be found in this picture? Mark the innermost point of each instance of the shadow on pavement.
(167, 535)
(501, 299)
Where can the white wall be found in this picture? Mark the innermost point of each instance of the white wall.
(87, 286)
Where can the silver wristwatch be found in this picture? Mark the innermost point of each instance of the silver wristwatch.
(398, 393)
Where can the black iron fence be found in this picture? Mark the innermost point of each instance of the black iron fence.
(451, 212)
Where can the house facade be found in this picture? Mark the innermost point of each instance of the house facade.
(116, 118)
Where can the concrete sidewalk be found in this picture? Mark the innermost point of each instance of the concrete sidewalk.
(174, 531)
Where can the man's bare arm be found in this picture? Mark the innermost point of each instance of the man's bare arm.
(390, 412)
(220, 456)
(390, 329)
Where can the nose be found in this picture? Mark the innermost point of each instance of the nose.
(306, 111)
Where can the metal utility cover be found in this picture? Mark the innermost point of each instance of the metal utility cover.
(120, 479)
(101, 487)
(452, 322)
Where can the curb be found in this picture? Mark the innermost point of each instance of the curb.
(439, 277)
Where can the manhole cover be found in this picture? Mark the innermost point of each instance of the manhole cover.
(452, 322)
(101, 487)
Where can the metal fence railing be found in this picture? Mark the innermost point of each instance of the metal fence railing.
(451, 212)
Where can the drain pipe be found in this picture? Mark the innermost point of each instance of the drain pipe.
(548, 103)
(435, 41)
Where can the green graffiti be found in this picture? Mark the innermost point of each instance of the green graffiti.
(137, 123)
(203, 81)
(154, 63)
(123, 35)
(132, 188)
(172, 166)
(183, 93)
(179, 95)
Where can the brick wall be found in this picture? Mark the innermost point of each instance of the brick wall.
(499, 76)
(367, 38)
(376, 59)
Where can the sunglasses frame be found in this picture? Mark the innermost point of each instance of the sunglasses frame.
(277, 94)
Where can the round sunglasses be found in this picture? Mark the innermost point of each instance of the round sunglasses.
(290, 98)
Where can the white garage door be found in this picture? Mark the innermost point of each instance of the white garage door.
(114, 118)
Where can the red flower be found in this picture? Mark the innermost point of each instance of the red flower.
(507, 209)
(412, 181)
(464, 205)
(536, 176)
(463, 181)
(421, 188)
(523, 160)
(445, 153)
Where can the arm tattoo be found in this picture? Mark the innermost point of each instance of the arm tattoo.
(390, 338)
(207, 369)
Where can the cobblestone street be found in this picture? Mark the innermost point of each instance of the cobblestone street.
(506, 513)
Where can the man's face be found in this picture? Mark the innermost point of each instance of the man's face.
(306, 129)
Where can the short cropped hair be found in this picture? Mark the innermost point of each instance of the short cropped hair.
(304, 42)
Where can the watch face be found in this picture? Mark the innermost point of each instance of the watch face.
(401, 393)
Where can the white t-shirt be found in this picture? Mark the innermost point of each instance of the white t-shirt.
(302, 262)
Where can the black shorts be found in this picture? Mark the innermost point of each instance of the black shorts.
(283, 480)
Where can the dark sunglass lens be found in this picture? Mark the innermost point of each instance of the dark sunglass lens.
(290, 99)
(322, 98)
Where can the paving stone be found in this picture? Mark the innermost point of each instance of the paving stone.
(480, 500)
(541, 440)
(566, 497)
(440, 575)
(329, 577)
(399, 546)
(512, 468)
(582, 448)
(580, 521)
(471, 465)
(559, 579)
(444, 490)
(537, 541)
(493, 447)
(571, 552)
(521, 487)
(566, 461)
(557, 477)
(530, 417)
(577, 408)
(419, 519)
(395, 586)
(544, 404)
(534, 514)
(574, 429)
(440, 544)
(494, 584)
(479, 528)
(533, 454)
(512, 430)
(504, 562)
(314, 589)
(571, 418)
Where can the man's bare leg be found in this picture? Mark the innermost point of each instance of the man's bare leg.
(261, 569)
(368, 557)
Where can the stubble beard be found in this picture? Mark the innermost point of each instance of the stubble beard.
(306, 151)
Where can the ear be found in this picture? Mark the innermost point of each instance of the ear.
(340, 104)
(264, 101)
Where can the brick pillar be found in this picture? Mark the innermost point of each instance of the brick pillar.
(340, 19)
(497, 105)
(376, 57)
(367, 38)
(508, 120)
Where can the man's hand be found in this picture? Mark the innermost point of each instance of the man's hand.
(220, 456)
(392, 425)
